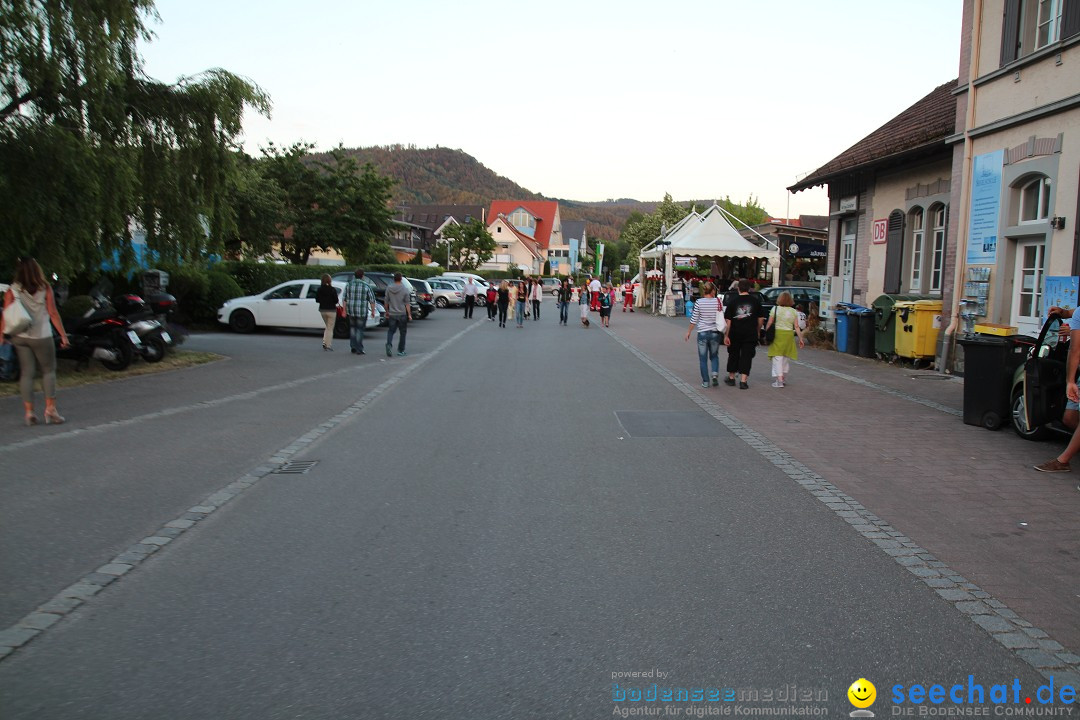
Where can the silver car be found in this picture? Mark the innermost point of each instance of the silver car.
(448, 293)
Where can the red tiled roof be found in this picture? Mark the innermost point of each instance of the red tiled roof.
(923, 126)
(543, 210)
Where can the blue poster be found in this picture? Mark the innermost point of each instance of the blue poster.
(985, 208)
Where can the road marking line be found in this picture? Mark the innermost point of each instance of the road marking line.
(60, 606)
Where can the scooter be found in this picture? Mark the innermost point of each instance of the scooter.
(101, 334)
(148, 323)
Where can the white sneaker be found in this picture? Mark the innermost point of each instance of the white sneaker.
(777, 383)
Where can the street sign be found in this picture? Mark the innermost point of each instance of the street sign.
(624, 268)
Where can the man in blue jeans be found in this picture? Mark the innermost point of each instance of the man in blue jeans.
(398, 314)
(359, 300)
(709, 318)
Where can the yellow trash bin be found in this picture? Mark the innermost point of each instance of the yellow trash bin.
(917, 326)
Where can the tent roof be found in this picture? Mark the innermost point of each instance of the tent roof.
(711, 236)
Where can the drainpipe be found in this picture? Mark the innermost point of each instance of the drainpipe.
(965, 187)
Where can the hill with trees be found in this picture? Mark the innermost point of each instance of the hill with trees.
(435, 176)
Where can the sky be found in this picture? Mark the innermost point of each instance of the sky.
(580, 99)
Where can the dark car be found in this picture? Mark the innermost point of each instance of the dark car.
(380, 281)
(424, 296)
(1037, 397)
(800, 296)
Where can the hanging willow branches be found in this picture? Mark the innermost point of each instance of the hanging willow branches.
(89, 144)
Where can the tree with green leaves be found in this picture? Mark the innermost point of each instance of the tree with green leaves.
(329, 204)
(471, 245)
(90, 145)
(641, 229)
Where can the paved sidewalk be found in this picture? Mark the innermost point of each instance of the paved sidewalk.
(893, 439)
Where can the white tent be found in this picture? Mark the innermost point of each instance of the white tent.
(708, 235)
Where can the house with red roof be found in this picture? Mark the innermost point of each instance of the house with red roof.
(528, 233)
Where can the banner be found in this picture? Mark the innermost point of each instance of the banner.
(985, 207)
(599, 258)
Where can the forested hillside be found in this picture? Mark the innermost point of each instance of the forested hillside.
(432, 176)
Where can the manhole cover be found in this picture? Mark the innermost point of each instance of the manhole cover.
(296, 468)
(671, 424)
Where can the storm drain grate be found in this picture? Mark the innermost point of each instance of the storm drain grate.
(296, 468)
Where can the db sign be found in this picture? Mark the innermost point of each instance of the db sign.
(880, 232)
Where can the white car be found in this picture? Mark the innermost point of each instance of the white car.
(288, 305)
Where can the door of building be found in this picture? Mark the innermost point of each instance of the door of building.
(847, 258)
(1028, 286)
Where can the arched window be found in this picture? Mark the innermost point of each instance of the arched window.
(918, 238)
(938, 217)
(1035, 200)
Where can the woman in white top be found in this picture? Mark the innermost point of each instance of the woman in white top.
(35, 344)
(708, 315)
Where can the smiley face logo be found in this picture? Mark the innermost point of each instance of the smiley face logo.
(862, 693)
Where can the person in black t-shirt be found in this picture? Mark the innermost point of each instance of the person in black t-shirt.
(743, 314)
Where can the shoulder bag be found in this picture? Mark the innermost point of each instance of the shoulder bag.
(16, 319)
(770, 331)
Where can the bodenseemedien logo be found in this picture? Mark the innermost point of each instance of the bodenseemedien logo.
(862, 694)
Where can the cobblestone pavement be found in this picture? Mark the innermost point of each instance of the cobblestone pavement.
(892, 440)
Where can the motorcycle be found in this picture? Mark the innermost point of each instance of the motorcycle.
(148, 319)
(101, 334)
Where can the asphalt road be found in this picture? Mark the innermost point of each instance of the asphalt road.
(496, 526)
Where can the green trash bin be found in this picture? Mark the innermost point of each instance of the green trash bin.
(885, 321)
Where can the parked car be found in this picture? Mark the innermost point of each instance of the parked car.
(800, 295)
(481, 283)
(288, 305)
(425, 297)
(447, 292)
(380, 281)
(1038, 387)
(551, 284)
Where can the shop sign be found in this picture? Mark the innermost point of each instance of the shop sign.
(880, 231)
(807, 250)
(686, 261)
(849, 204)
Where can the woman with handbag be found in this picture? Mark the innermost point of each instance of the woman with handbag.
(327, 298)
(784, 324)
(30, 295)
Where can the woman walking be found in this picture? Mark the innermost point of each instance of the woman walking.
(513, 298)
(606, 300)
(519, 306)
(782, 349)
(491, 298)
(536, 294)
(708, 317)
(35, 344)
(503, 302)
(327, 298)
(584, 303)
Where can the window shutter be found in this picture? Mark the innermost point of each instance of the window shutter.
(1070, 19)
(1010, 32)
(894, 252)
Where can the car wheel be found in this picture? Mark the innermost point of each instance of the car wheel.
(1019, 421)
(440, 302)
(341, 328)
(242, 321)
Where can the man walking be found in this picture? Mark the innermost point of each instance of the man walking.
(744, 326)
(359, 300)
(398, 314)
(470, 296)
(594, 294)
(628, 296)
(564, 301)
